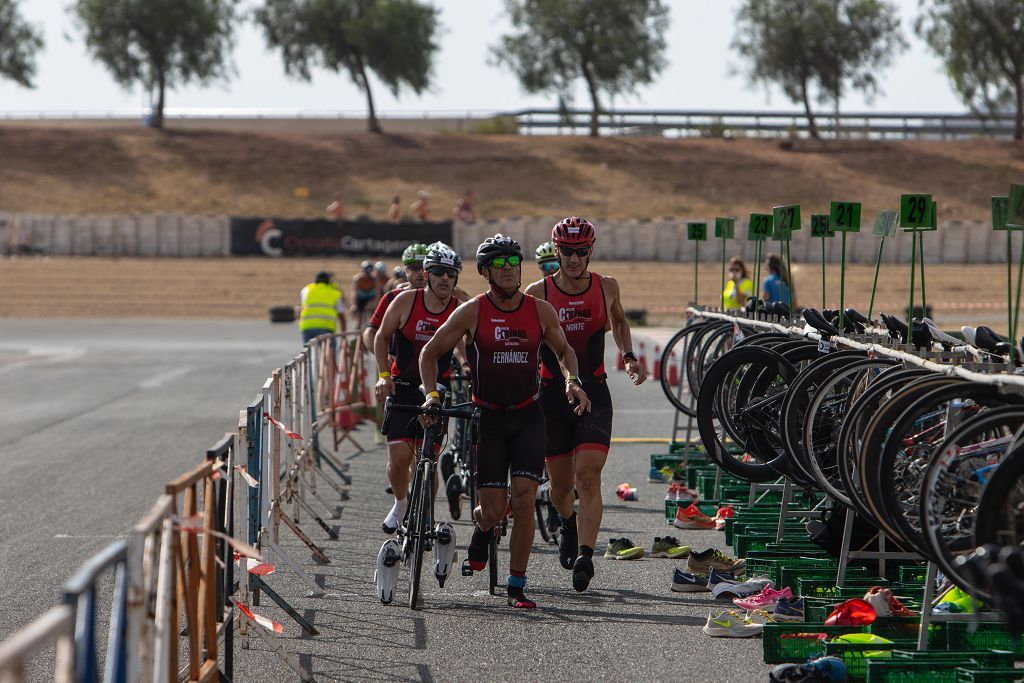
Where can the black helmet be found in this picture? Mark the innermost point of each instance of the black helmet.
(496, 246)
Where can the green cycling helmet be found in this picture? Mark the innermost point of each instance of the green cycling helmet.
(414, 253)
(546, 252)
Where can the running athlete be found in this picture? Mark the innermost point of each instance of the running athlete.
(412, 259)
(364, 291)
(409, 323)
(588, 305)
(547, 258)
(503, 329)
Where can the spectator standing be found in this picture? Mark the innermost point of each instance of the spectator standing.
(776, 286)
(739, 286)
(421, 208)
(464, 210)
(395, 210)
(323, 307)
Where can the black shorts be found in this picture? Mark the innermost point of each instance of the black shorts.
(511, 445)
(568, 432)
(362, 301)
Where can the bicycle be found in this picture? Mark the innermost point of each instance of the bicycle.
(417, 532)
(458, 462)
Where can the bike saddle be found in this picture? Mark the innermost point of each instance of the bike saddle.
(897, 328)
(920, 334)
(968, 333)
(986, 339)
(777, 308)
(940, 336)
(815, 320)
(856, 317)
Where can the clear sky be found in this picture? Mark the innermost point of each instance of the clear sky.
(697, 77)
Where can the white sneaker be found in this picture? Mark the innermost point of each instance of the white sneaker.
(444, 551)
(395, 516)
(386, 576)
(731, 624)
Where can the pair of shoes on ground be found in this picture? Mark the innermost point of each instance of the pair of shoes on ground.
(679, 492)
(670, 547)
(731, 623)
(660, 475)
(703, 562)
(689, 582)
(692, 518)
(626, 492)
(623, 549)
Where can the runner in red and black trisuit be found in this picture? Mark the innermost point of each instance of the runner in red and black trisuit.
(408, 325)
(503, 329)
(588, 305)
(412, 261)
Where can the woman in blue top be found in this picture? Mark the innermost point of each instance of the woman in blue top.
(776, 287)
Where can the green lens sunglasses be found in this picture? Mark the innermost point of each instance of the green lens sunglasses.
(500, 261)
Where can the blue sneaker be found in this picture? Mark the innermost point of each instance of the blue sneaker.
(716, 577)
(661, 475)
(684, 582)
(789, 610)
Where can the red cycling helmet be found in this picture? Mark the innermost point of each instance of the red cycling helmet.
(573, 231)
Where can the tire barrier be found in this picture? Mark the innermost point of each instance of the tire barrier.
(914, 434)
(176, 598)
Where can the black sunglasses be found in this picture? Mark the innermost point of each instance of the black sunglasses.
(569, 251)
(441, 270)
(415, 267)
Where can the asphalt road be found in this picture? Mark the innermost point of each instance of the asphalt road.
(96, 416)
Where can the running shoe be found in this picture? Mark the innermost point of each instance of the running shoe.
(789, 610)
(701, 563)
(623, 549)
(685, 582)
(731, 624)
(716, 577)
(723, 513)
(760, 616)
(726, 590)
(660, 476)
(668, 546)
(766, 599)
(626, 492)
(568, 543)
(681, 493)
(692, 518)
(582, 573)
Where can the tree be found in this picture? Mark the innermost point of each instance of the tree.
(982, 44)
(613, 45)
(160, 43)
(395, 39)
(19, 43)
(825, 46)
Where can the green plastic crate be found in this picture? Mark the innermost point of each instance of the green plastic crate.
(789, 642)
(988, 675)
(914, 671)
(983, 636)
(825, 588)
(908, 628)
(854, 655)
(912, 573)
(990, 658)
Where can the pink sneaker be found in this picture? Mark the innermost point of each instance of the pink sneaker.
(766, 599)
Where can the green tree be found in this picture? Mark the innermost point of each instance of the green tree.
(613, 45)
(19, 42)
(395, 39)
(821, 47)
(982, 44)
(160, 43)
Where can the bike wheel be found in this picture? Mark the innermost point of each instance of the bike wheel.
(422, 503)
(1000, 517)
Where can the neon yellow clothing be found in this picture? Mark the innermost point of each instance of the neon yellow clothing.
(729, 295)
(319, 307)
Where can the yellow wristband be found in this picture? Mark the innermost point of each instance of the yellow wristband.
(384, 375)
(433, 394)
(572, 379)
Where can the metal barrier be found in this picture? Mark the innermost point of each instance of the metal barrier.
(174, 576)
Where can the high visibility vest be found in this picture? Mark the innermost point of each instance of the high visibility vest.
(320, 309)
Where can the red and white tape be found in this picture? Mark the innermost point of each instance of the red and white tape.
(287, 432)
(266, 623)
(254, 566)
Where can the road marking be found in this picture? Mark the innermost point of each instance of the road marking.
(160, 379)
(640, 439)
(88, 536)
(43, 356)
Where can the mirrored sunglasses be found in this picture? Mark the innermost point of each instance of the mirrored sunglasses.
(569, 251)
(500, 261)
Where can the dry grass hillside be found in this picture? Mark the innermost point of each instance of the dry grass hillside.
(126, 169)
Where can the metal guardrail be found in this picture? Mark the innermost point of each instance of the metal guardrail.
(739, 123)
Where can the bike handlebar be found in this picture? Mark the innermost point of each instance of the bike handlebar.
(461, 411)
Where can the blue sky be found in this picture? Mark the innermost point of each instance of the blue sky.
(697, 77)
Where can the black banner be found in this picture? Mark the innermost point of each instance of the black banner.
(321, 237)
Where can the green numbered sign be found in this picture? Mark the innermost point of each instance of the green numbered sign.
(885, 223)
(725, 228)
(844, 216)
(932, 222)
(697, 231)
(914, 211)
(1015, 207)
(820, 226)
(999, 206)
(786, 218)
(760, 227)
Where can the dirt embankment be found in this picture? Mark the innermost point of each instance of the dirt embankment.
(126, 169)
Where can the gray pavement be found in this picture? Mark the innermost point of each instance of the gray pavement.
(102, 414)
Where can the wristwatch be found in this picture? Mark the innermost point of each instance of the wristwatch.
(630, 356)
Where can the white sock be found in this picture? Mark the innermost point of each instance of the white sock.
(397, 513)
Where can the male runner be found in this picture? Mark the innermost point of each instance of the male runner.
(412, 260)
(577, 444)
(503, 329)
(409, 323)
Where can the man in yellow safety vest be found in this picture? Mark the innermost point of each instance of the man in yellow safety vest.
(323, 307)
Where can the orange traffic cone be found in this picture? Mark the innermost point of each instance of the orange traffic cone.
(673, 371)
(656, 374)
